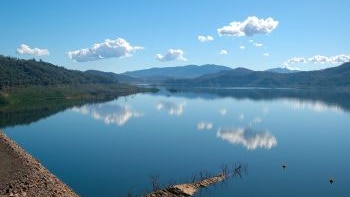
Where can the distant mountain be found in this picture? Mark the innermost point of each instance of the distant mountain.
(178, 72)
(19, 72)
(112, 76)
(282, 70)
(15, 72)
(240, 77)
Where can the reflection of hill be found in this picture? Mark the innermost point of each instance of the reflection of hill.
(28, 114)
(23, 105)
(340, 98)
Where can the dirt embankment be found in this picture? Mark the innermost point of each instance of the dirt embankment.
(23, 175)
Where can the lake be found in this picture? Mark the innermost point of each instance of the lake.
(113, 148)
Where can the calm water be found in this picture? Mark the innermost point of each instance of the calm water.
(112, 148)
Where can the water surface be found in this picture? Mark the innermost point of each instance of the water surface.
(113, 148)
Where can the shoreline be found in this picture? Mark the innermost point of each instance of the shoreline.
(23, 175)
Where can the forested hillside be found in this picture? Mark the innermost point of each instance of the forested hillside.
(241, 77)
(15, 72)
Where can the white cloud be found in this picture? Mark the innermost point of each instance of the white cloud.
(202, 38)
(172, 108)
(223, 52)
(296, 60)
(242, 47)
(109, 114)
(339, 59)
(266, 54)
(319, 59)
(171, 54)
(258, 44)
(250, 26)
(26, 50)
(107, 49)
(223, 111)
(248, 137)
(204, 126)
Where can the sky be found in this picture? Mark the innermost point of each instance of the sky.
(123, 35)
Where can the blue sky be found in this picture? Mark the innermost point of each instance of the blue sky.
(123, 35)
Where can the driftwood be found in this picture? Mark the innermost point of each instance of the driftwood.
(187, 189)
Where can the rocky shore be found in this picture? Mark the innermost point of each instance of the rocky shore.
(23, 175)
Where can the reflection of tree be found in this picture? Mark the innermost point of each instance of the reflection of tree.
(248, 137)
(32, 113)
(339, 98)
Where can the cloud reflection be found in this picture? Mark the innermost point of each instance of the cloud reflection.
(172, 108)
(316, 106)
(265, 110)
(249, 138)
(108, 113)
(256, 120)
(223, 111)
(241, 117)
(204, 126)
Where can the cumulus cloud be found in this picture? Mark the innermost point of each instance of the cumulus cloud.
(223, 52)
(319, 59)
(294, 60)
(242, 47)
(172, 108)
(202, 38)
(249, 138)
(266, 55)
(26, 50)
(297, 60)
(108, 113)
(339, 59)
(171, 54)
(249, 27)
(332, 60)
(108, 49)
(204, 126)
